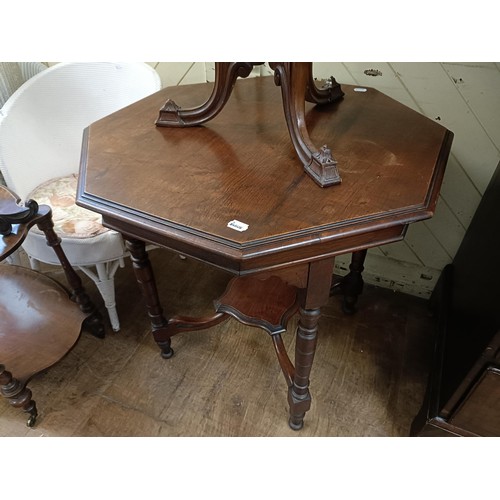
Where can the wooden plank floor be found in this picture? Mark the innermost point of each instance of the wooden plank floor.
(368, 379)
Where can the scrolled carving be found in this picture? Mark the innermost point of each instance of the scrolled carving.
(329, 92)
(245, 68)
(297, 85)
(226, 73)
(169, 113)
(17, 215)
(324, 155)
(323, 167)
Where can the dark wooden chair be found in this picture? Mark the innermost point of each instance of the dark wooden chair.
(40, 321)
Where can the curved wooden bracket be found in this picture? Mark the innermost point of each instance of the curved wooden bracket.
(266, 304)
(297, 83)
(12, 213)
(226, 73)
(328, 93)
(285, 363)
(297, 86)
(178, 324)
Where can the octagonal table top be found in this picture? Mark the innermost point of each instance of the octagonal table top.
(184, 187)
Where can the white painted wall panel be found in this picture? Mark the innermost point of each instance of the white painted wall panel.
(480, 89)
(438, 96)
(427, 246)
(459, 192)
(180, 73)
(399, 251)
(446, 228)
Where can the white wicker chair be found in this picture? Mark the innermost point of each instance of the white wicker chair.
(14, 74)
(41, 127)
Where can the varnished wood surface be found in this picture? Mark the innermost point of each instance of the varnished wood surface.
(183, 186)
(267, 304)
(38, 322)
(369, 374)
(479, 413)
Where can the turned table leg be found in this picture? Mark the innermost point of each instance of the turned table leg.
(246, 308)
(352, 283)
(315, 296)
(146, 280)
(18, 395)
(299, 397)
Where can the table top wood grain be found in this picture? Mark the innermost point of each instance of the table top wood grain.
(180, 187)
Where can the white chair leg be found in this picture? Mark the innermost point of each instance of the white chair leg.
(105, 282)
(106, 287)
(34, 263)
(14, 259)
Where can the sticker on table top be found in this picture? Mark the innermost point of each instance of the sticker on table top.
(360, 89)
(237, 225)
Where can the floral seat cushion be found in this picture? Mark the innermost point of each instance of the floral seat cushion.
(70, 220)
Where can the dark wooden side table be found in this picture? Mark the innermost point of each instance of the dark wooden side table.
(232, 193)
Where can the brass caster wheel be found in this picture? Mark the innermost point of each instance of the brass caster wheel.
(31, 421)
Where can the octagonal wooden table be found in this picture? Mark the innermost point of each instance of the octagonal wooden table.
(233, 194)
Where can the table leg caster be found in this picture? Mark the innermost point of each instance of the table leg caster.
(296, 423)
(166, 351)
(31, 421)
(32, 410)
(349, 305)
(94, 325)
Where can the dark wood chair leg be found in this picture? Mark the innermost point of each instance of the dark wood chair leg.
(18, 395)
(94, 321)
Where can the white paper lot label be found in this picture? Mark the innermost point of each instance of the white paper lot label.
(237, 225)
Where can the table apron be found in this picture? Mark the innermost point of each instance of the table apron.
(239, 263)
